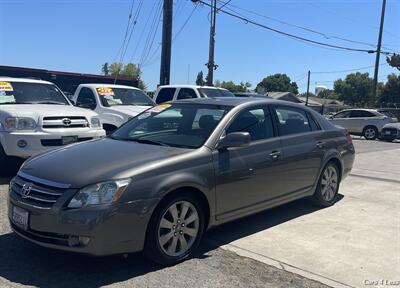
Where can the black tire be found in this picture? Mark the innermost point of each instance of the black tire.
(153, 249)
(319, 198)
(370, 132)
(109, 129)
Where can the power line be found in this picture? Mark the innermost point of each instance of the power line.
(325, 35)
(126, 31)
(348, 70)
(152, 59)
(322, 44)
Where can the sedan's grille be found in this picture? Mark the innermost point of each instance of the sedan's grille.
(65, 122)
(35, 194)
(392, 131)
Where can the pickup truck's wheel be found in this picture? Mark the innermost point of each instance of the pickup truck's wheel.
(175, 230)
(109, 129)
(328, 186)
(370, 132)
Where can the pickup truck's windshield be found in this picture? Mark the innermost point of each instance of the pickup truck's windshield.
(30, 93)
(123, 96)
(213, 92)
(177, 125)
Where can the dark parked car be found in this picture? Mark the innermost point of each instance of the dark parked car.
(175, 170)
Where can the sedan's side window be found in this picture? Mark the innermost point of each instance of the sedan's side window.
(361, 114)
(343, 114)
(313, 123)
(186, 93)
(292, 120)
(257, 122)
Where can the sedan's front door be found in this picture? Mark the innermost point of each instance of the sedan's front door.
(251, 175)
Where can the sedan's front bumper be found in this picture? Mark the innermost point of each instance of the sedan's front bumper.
(111, 230)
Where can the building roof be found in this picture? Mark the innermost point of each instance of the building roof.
(322, 101)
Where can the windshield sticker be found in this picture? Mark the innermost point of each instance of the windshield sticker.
(6, 86)
(6, 98)
(105, 91)
(159, 108)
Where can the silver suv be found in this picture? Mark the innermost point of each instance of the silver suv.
(363, 122)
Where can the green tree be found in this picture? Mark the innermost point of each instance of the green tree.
(391, 90)
(278, 83)
(355, 89)
(200, 79)
(129, 70)
(328, 94)
(231, 86)
(105, 69)
(394, 61)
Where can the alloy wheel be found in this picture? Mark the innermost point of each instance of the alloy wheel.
(178, 228)
(329, 183)
(370, 133)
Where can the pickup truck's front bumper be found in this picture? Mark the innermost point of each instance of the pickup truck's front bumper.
(41, 141)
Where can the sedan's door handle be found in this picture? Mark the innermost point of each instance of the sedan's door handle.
(275, 154)
(320, 145)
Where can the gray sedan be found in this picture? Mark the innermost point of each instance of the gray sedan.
(175, 170)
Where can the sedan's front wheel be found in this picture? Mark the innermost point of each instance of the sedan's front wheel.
(328, 186)
(175, 230)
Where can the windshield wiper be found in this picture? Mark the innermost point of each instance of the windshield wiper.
(50, 102)
(146, 141)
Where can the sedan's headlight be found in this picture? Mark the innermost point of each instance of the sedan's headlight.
(20, 123)
(100, 193)
(95, 122)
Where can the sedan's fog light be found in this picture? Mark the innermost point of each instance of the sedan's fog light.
(74, 241)
(22, 143)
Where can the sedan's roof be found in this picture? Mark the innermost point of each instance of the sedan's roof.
(230, 101)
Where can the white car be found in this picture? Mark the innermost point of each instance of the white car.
(167, 93)
(363, 122)
(35, 117)
(115, 104)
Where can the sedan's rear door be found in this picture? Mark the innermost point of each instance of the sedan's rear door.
(303, 146)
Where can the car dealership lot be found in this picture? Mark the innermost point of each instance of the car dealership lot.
(354, 241)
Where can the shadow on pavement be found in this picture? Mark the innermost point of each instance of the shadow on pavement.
(25, 263)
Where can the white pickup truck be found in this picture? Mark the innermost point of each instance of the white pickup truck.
(35, 117)
(115, 104)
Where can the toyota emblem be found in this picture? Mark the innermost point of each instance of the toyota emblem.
(66, 121)
(26, 190)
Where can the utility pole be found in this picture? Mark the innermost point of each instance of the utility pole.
(378, 53)
(211, 65)
(308, 87)
(165, 69)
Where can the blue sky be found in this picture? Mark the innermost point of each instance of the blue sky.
(80, 35)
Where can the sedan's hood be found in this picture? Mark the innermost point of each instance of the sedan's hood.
(95, 161)
(41, 110)
(392, 125)
(130, 110)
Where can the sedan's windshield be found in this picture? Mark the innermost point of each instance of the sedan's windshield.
(30, 93)
(215, 92)
(177, 125)
(123, 96)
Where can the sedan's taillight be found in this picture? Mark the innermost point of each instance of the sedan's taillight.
(348, 137)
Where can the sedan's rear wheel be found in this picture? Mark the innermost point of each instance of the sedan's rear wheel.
(328, 186)
(370, 133)
(175, 230)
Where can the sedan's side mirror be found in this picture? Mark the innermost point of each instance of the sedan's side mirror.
(234, 139)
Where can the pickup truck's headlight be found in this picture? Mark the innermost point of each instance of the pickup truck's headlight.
(20, 123)
(95, 122)
(100, 193)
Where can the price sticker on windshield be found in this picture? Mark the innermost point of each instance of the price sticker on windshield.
(6, 86)
(159, 108)
(105, 91)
